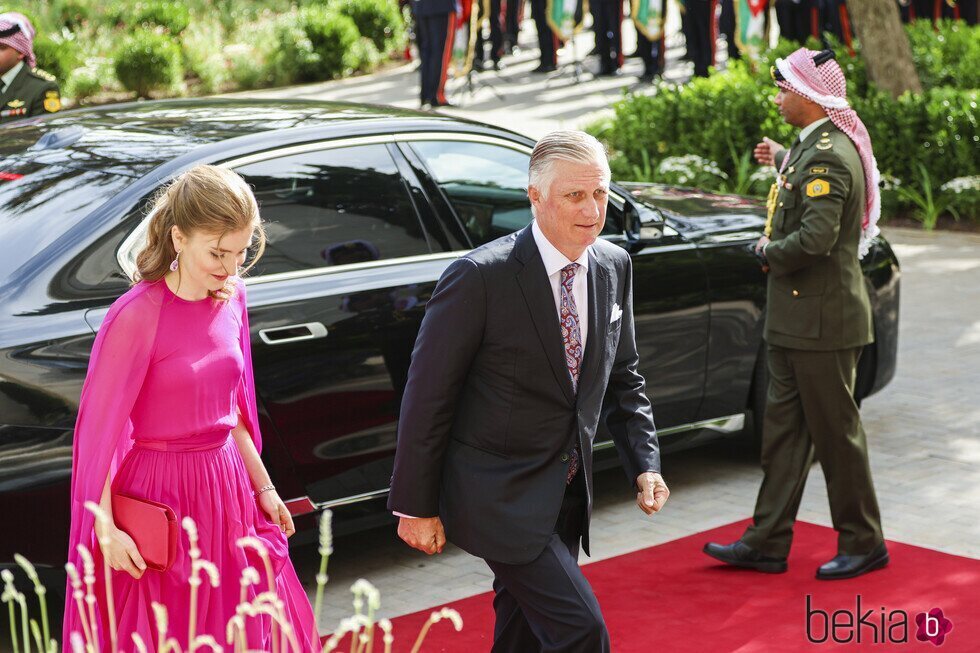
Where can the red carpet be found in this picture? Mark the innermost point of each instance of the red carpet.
(672, 597)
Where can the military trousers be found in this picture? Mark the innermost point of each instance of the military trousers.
(811, 413)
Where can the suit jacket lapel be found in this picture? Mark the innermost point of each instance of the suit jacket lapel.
(599, 294)
(533, 280)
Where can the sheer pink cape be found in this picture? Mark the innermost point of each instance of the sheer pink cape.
(103, 431)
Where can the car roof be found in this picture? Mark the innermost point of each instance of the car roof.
(134, 138)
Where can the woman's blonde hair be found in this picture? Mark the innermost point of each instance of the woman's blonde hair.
(205, 199)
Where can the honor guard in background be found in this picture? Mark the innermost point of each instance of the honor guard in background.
(489, 12)
(25, 90)
(824, 208)
(436, 26)
(607, 16)
(648, 19)
(793, 18)
(702, 29)
(513, 17)
(548, 42)
(727, 25)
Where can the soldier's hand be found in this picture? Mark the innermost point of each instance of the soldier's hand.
(423, 533)
(760, 245)
(765, 152)
(653, 492)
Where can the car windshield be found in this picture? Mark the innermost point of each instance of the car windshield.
(39, 203)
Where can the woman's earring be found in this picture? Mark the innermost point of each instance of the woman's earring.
(173, 266)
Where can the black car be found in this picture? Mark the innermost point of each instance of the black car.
(366, 206)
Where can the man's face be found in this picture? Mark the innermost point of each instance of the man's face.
(8, 58)
(795, 109)
(573, 213)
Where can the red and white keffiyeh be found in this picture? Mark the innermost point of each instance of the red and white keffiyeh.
(22, 39)
(825, 85)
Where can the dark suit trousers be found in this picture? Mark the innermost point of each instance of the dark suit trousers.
(496, 33)
(608, 25)
(547, 605)
(435, 35)
(702, 32)
(652, 53)
(547, 41)
(810, 412)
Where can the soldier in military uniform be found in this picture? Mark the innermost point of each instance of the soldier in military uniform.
(435, 22)
(823, 213)
(25, 90)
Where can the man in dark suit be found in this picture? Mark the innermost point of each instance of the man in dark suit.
(526, 350)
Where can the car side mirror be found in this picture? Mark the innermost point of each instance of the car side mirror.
(643, 225)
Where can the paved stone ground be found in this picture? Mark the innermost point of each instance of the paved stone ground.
(924, 430)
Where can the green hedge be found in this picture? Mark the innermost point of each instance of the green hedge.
(147, 61)
(721, 118)
(379, 20)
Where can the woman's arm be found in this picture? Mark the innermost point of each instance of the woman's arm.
(268, 500)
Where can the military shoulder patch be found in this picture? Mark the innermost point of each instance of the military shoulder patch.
(43, 74)
(52, 104)
(818, 171)
(817, 187)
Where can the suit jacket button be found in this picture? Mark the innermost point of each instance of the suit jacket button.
(796, 293)
(564, 458)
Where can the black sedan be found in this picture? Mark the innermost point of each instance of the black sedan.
(365, 207)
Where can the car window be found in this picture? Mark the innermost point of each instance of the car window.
(486, 184)
(333, 207)
(40, 203)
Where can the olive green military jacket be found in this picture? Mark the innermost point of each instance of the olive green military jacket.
(32, 92)
(817, 299)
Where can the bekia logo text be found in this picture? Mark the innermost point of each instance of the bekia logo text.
(873, 626)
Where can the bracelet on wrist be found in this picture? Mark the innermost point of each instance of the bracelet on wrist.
(264, 488)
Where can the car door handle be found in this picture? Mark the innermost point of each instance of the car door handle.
(293, 333)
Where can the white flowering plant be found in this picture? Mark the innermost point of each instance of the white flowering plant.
(27, 635)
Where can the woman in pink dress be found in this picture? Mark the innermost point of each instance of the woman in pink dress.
(168, 413)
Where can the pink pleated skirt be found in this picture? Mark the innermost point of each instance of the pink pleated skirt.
(203, 477)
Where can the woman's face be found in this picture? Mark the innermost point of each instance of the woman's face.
(206, 260)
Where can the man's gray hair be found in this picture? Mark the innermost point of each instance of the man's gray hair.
(566, 145)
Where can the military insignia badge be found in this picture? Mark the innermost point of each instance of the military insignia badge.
(824, 144)
(818, 171)
(15, 104)
(52, 102)
(817, 187)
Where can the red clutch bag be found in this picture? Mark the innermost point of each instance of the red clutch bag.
(153, 527)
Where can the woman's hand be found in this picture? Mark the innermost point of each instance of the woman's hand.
(278, 513)
(121, 553)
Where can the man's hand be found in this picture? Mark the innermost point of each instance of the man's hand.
(765, 152)
(760, 245)
(653, 492)
(422, 533)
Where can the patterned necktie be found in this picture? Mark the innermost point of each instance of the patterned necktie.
(571, 334)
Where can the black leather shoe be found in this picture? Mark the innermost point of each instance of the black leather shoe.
(739, 554)
(545, 68)
(849, 566)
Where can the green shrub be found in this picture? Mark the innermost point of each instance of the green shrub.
(172, 16)
(947, 56)
(201, 57)
(332, 36)
(246, 67)
(314, 43)
(147, 61)
(57, 55)
(83, 83)
(379, 20)
(366, 55)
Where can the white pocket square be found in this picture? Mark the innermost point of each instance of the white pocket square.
(617, 313)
